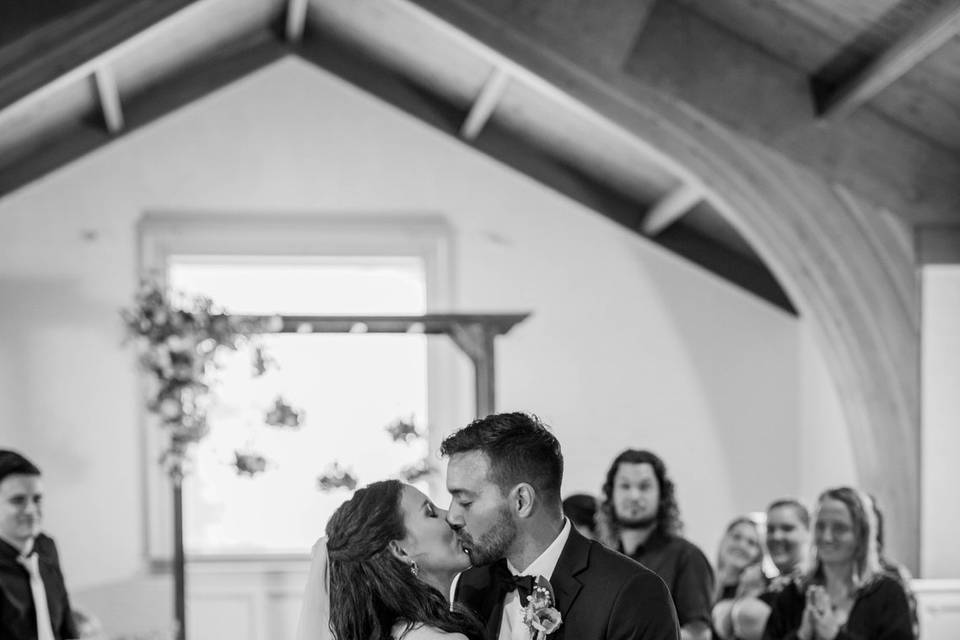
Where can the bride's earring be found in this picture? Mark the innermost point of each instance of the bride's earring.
(414, 569)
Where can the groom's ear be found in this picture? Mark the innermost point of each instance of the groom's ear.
(523, 498)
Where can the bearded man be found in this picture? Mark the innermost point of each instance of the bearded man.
(504, 475)
(639, 517)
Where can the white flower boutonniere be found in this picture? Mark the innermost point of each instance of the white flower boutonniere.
(539, 614)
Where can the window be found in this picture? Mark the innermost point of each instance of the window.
(350, 387)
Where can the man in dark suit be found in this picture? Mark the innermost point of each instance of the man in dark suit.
(504, 474)
(33, 598)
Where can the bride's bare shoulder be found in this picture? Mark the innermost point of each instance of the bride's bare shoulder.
(425, 632)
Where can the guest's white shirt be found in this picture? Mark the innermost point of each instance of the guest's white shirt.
(511, 624)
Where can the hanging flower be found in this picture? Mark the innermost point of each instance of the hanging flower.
(417, 471)
(336, 477)
(178, 341)
(401, 430)
(262, 361)
(249, 464)
(283, 415)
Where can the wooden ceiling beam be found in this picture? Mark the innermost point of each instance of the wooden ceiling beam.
(920, 41)
(37, 71)
(503, 145)
(109, 98)
(691, 65)
(485, 103)
(296, 19)
(671, 208)
(689, 60)
(66, 145)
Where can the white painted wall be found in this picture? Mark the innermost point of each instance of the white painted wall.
(826, 453)
(940, 443)
(627, 346)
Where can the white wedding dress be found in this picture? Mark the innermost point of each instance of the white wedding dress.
(315, 612)
(424, 632)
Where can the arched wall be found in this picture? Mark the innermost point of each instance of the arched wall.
(851, 274)
(849, 268)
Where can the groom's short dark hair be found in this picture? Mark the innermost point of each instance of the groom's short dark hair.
(520, 447)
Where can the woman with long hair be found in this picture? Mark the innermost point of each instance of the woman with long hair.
(384, 570)
(846, 593)
(739, 571)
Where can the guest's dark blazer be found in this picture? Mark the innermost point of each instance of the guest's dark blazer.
(601, 595)
(18, 618)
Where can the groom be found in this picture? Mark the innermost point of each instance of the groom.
(504, 475)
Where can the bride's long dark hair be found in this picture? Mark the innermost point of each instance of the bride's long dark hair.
(370, 589)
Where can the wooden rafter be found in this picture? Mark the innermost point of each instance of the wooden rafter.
(671, 208)
(296, 19)
(485, 103)
(924, 38)
(109, 98)
(40, 70)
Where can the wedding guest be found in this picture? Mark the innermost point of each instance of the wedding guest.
(384, 570)
(639, 517)
(33, 598)
(581, 509)
(845, 594)
(788, 538)
(739, 572)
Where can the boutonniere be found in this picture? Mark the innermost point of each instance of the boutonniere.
(539, 614)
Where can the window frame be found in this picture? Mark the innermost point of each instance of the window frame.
(163, 234)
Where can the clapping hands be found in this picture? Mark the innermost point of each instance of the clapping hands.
(752, 582)
(819, 622)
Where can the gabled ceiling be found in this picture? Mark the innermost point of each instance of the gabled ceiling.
(74, 76)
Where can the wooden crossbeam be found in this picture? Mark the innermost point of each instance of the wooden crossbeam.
(109, 98)
(920, 41)
(485, 103)
(671, 208)
(296, 19)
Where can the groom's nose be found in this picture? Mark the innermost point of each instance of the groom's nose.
(454, 519)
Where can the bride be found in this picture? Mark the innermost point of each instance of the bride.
(384, 570)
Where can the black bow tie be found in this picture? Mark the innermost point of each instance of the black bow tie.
(507, 582)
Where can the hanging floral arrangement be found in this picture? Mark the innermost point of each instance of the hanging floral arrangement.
(281, 414)
(336, 477)
(403, 430)
(178, 340)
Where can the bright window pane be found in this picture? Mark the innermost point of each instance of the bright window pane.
(349, 386)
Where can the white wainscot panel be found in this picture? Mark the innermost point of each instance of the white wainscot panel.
(938, 602)
(244, 602)
(225, 600)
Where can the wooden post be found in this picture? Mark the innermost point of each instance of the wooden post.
(486, 379)
(179, 563)
(476, 340)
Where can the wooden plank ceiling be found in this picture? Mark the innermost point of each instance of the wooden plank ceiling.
(761, 68)
(833, 40)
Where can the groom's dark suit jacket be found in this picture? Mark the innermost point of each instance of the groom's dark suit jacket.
(601, 595)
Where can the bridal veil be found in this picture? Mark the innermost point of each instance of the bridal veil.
(315, 612)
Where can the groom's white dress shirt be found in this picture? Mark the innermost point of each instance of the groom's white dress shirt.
(511, 624)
